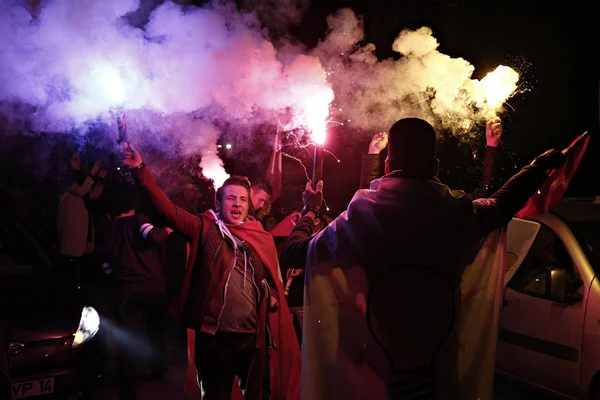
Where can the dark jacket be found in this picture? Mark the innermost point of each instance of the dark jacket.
(479, 217)
(128, 245)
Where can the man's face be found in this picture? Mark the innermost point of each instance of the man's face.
(234, 206)
(259, 198)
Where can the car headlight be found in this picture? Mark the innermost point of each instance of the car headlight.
(88, 326)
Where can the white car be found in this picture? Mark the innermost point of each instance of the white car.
(550, 320)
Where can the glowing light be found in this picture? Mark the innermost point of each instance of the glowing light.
(108, 83)
(219, 146)
(216, 174)
(88, 326)
(212, 168)
(499, 85)
(228, 146)
(316, 111)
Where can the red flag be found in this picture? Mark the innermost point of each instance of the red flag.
(553, 189)
(273, 175)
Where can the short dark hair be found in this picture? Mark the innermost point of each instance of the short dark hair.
(411, 148)
(261, 184)
(123, 198)
(237, 180)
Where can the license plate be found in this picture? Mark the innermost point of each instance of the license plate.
(35, 387)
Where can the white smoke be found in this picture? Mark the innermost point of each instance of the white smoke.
(371, 94)
(70, 62)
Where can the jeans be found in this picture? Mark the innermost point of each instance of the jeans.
(221, 357)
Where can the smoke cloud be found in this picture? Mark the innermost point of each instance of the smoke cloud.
(80, 61)
(180, 76)
(370, 95)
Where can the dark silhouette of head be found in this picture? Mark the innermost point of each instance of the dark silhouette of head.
(411, 149)
(124, 198)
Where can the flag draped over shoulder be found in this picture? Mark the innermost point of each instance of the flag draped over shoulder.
(482, 286)
(558, 180)
(341, 360)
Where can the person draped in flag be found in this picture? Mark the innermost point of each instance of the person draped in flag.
(232, 294)
(393, 261)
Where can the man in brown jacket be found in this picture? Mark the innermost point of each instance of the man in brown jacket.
(232, 293)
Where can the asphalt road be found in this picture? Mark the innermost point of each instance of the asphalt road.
(171, 388)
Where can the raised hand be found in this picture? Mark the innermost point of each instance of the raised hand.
(95, 167)
(131, 158)
(313, 198)
(75, 161)
(378, 143)
(493, 132)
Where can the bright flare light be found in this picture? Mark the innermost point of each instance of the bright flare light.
(212, 167)
(316, 111)
(499, 85)
(108, 84)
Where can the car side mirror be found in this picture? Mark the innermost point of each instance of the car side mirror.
(560, 289)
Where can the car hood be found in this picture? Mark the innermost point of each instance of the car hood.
(38, 306)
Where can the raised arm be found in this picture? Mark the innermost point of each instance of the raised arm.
(369, 169)
(493, 135)
(180, 220)
(81, 189)
(98, 185)
(296, 247)
(497, 210)
(153, 234)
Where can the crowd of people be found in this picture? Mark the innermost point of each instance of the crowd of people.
(247, 304)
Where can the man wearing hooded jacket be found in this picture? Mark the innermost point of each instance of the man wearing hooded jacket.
(231, 294)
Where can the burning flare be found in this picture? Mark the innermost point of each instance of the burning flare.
(497, 86)
(316, 112)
